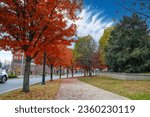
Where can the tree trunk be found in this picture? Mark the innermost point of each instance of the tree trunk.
(60, 72)
(72, 71)
(26, 74)
(51, 75)
(90, 72)
(67, 72)
(84, 73)
(93, 72)
(44, 64)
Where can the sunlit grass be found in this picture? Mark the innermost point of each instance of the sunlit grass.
(137, 90)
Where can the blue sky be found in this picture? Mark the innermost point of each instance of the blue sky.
(108, 6)
(111, 8)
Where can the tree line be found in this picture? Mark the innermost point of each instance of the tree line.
(43, 30)
(35, 26)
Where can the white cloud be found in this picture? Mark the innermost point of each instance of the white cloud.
(5, 55)
(92, 23)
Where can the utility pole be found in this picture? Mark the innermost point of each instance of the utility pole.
(44, 64)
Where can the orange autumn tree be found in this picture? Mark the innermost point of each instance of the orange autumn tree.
(59, 58)
(70, 64)
(30, 25)
(65, 60)
(53, 55)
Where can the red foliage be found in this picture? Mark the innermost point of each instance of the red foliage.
(30, 25)
(60, 56)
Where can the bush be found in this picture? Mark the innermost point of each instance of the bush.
(12, 76)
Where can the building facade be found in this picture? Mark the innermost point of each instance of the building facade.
(18, 64)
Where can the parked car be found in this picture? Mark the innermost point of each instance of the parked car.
(3, 77)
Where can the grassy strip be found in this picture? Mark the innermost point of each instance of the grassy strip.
(136, 90)
(38, 92)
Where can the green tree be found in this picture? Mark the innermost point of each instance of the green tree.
(128, 48)
(84, 53)
(103, 42)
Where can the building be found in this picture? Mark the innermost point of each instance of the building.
(18, 65)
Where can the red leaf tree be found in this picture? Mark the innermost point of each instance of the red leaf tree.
(30, 25)
(61, 57)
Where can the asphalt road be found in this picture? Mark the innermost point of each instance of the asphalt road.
(13, 84)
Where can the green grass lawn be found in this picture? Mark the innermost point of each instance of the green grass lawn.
(136, 90)
(37, 92)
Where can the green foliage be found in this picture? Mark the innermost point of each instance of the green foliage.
(12, 76)
(84, 51)
(128, 48)
(103, 42)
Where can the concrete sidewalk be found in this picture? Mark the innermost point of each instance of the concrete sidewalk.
(73, 89)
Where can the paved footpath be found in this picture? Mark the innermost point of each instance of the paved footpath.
(73, 89)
